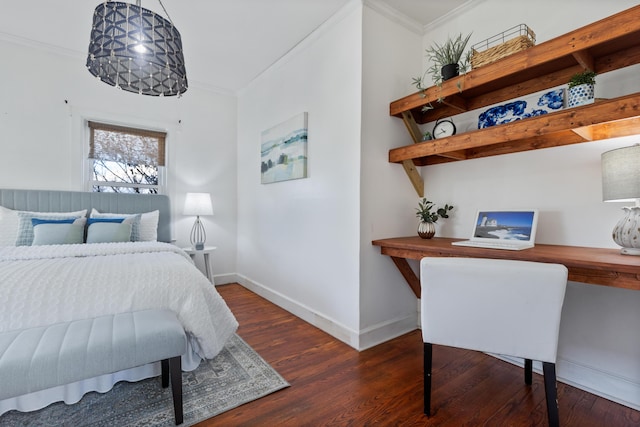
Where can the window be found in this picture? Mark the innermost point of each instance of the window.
(125, 160)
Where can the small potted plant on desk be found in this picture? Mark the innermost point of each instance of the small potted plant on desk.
(426, 227)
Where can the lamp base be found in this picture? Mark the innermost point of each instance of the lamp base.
(198, 235)
(626, 233)
(630, 251)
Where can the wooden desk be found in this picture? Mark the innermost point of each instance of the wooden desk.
(597, 266)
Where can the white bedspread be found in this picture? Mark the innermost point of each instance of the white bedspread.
(41, 285)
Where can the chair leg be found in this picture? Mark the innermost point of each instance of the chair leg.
(551, 391)
(175, 369)
(428, 361)
(528, 371)
(164, 365)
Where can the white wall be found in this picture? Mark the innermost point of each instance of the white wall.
(599, 347)
(298, 241)
(390, 54)
(47, 95)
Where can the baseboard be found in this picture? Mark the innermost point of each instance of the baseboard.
(377, 334)
(225, 279)
(601, 383)
(305, 313)
(358, 340)
(595, 381)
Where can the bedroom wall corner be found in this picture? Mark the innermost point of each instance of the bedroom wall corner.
(392, 55)
(299, 238)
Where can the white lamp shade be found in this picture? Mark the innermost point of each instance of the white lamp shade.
(621, 174)
(197, 204)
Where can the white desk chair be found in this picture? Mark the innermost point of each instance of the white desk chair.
(497, 306)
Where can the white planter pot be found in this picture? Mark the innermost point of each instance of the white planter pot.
(581, 95)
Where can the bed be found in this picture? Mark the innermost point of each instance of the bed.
(43, 282)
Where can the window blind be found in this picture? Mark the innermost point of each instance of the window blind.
(126, 145)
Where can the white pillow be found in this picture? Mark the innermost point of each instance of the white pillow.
(8, 226)
(148, 228)
(18, 226)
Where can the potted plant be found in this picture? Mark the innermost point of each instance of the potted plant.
(447, 60)
(429, 215)
(582, 88)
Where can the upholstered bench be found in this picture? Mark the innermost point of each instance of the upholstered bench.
(38, 358)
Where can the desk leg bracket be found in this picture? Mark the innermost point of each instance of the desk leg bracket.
(408, 274)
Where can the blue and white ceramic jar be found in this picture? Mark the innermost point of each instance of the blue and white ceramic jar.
(581, 95)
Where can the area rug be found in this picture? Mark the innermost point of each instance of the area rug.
(235, 376)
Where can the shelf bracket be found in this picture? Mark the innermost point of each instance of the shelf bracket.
(414, 176)
(412, 126)
(408, 165)
(585, 132)
(585, 59)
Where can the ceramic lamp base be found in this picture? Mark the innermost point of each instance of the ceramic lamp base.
(630, 251)
(626, 233)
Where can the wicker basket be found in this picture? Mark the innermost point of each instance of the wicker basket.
(504, 44)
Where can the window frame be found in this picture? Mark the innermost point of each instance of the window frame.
(161, 135)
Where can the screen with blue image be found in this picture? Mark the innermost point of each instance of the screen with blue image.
(505, 225)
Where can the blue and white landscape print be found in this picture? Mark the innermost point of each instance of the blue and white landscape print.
(284, 151)
(517, 110)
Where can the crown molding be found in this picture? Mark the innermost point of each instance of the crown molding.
(463, 8)
(81, 56)
(311, 38)
(23, 41)
(395, 16)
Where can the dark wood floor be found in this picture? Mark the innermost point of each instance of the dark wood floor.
(334, 385)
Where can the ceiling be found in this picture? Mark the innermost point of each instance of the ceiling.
(227, 43)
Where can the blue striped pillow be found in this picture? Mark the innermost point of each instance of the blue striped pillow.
(25, 226)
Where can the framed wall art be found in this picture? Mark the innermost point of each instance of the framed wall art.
(284, 150)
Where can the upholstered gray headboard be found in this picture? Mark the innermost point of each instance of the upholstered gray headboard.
(66, 201)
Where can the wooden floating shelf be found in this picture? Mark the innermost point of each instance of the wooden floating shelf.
(601, 120)
(606, 45)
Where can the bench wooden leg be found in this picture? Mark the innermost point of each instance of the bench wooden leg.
(175, 369)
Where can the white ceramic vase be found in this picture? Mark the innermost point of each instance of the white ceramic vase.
(626, 233)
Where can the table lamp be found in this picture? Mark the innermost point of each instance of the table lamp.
(621, 183)
(198, 204)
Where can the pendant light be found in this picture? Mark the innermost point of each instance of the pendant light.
(136, 50)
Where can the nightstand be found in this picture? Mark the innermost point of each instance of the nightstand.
(206, 253)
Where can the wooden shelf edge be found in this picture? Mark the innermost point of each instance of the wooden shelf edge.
(605, 119)
(574, 45)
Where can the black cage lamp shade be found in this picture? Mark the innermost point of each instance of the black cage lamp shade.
(136, 50)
